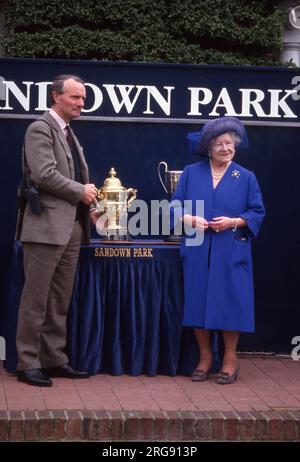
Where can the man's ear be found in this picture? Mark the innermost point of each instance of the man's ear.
(55, 96)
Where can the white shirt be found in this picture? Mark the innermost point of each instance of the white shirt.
(59, 120)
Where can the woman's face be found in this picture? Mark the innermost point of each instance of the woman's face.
(222, 149)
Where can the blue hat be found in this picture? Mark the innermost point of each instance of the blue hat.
(200, 141)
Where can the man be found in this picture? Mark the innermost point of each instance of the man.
(53, 160)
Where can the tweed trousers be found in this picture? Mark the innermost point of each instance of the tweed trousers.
(49, 279)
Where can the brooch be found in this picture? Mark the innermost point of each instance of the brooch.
(235, 174)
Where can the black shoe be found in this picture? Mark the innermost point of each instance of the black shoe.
(34, 377)
(65, 371)
(224, 378)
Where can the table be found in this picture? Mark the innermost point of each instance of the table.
(125, 313)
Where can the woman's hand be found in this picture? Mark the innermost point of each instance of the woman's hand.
(198, 223)
(219, 224)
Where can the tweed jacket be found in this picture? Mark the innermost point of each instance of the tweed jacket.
(50, 165)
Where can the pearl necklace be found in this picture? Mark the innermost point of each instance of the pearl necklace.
(218, 175)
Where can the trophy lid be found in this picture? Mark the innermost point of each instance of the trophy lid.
(113, 183)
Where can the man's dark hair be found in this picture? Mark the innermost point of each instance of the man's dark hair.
(57, 85)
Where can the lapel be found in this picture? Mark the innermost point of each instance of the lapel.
(202, 188)
(83, 165)
(208, 178)
(60, 136)
(64, 144)
(226, 182)
(78, 147)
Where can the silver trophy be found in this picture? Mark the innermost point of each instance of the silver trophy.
(171, 178)
(169, 183)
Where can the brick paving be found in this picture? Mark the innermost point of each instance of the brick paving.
(264, 404)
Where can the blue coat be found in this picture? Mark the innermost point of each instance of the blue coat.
(218, 279)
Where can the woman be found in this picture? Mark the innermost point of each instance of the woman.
(218, 273)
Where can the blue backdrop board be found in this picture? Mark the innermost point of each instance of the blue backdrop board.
(139, 114)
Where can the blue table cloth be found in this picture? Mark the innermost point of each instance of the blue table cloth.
(125, 313)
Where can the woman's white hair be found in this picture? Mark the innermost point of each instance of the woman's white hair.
(236, 138)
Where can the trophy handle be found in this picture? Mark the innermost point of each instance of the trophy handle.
(159, 174)
(100, 194)
(131, 195)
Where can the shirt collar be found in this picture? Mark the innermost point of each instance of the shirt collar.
(58, 119)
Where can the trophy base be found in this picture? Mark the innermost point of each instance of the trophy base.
(116, 237)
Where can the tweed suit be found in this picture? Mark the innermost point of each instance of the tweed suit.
(51, 243)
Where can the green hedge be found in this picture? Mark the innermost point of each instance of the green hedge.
(203, 31)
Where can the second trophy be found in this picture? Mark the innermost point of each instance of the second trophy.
(169, 183)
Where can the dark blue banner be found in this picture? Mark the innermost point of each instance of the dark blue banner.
(144, 92)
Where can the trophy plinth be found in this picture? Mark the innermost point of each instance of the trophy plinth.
(169, 183)
(113, 203)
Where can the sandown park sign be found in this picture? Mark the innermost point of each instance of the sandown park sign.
(158, 93)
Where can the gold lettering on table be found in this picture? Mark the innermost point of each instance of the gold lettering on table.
(123, 252)
(138, 253)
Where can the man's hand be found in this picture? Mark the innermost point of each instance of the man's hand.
(90, 194)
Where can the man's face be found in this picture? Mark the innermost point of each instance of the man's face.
(70, 103)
